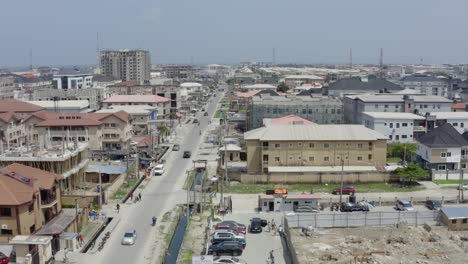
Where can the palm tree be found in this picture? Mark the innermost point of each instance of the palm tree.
(163, 132)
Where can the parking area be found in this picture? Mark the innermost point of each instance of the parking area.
(259, 245)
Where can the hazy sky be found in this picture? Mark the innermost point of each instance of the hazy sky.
(63, 32)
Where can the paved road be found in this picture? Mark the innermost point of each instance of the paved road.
(160, 195)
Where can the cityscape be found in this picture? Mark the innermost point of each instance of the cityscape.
(212, 132)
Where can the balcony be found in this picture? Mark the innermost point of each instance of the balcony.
(48, 201)
(419, 129)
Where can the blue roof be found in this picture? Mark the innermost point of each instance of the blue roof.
(106, 169)
(455, 212)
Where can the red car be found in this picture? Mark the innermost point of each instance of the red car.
(4, 259)
(345, 190)
(237, 229)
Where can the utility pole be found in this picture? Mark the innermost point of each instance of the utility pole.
(100, 189)
(404, 156)
(76, 213)
(128, 155)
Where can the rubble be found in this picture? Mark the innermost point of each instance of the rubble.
(382, 245)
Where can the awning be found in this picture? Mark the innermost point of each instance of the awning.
(57, 225)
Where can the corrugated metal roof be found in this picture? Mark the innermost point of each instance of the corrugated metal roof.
(106, 169)
(455, 212)
(314, 133)
(394, 115)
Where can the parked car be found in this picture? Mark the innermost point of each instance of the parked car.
(219, 232)
(350, 207)
(256, 225)
(159, 169)
(306, 209)
(5, 260)
(227, 237)
(345, 190)
(228, 260)
(232, 248)
(234, 228)
(129, 237)
(464, 186)
(234, 223)
(205, 114)
(187, 154)
(433, 204)
(404, 205)
(176, 147)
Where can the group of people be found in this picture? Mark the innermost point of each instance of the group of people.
(273, 228)
(137, 199)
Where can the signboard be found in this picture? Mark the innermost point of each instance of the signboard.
(208, 259)
(281, 191)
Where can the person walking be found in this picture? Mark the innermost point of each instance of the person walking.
(139, 197)
(118, 208)
(80, 237)
(131, 197)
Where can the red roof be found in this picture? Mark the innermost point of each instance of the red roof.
(248, 94)
(146, 98)
(291, 120)
(6, 117)
(461, 106)
(13, 105)
(76, 119)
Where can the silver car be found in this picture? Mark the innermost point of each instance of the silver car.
(129, 237)
(404, 205)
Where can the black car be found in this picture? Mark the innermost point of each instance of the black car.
(256, 225)
(205, 114)
(433, 204)
(350, 207)
(227, 237)
(187, 154)
(232, 248)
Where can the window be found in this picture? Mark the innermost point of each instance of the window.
(404, 124)
(5, 211)
(397, 125)
(454, 221)
(7, 232)
(449, 154)
(386, 106)
(359, 158)
(462, 124)
(277, 146)
(311, 158)
(31, 207)
(291, 145)
(465, 220)
(311, 145)
(277, 158)
(404, 136)
(397, 137)
(463, 166)
(326, 159)
(359, 146)
(441, 167)
(443, 155)
(326, 145)
(369, 157)
(391, 125)
(390, 137)
(455, 124)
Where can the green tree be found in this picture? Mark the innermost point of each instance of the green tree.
(412, 172)
(397, 150)
(282, 87)
(163, 131)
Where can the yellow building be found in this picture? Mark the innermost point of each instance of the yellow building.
(456, 218)
(293, 152)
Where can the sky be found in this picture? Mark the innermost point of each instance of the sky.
(63, 32)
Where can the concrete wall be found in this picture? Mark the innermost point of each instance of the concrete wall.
(351, 177)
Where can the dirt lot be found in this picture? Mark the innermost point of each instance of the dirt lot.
(383, 245)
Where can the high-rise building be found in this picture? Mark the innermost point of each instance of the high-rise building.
(126, 65)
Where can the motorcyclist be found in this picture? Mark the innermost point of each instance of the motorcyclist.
(154, 220)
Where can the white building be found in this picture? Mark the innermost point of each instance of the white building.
(398, 127)
(73, 81)
(459, 120)
(64, 106)
(427, 84)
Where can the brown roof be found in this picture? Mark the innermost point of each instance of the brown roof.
(459, 106)
(46, 179)
(7, 116)
(76, 119)
(13, 105)
(14, 192)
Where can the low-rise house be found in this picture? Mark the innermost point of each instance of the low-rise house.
(30, 198)
(161, 103)
(443, 151)
(286, 202)
(458, 120)
(297, 153)
(398, 127)
(456, 218)
(20, 108)
(360, 85)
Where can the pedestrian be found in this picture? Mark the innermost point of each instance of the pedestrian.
(139, 197)
(118, 208)
(269, 226)
(80, 237)
(131, 197)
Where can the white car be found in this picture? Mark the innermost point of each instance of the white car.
(217, 232)
(229, 260)
(129, 237)
(159, 169)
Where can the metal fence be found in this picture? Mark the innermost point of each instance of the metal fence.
(356, 219)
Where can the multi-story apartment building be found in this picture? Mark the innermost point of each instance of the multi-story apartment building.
(296, 149)
(427, 84)
(162, 104)
(11, 129)
(143, 117)
(103, 131)
(93, 95)
(298, 80)
(397, 127)
(360, 85)
(355, 105)
(30, 199)
(177, 71)
(7, 87)
(171, 92)
(458, 120)
(320, 109)
(126, 65)
(72, 81)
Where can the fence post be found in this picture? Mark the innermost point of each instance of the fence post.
(316, 225)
